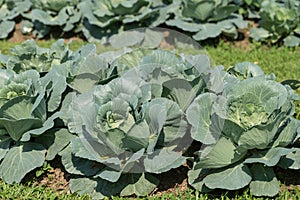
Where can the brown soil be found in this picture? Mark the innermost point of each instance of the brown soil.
(245, 44)
(173, 181)
(17, 35)
(56, 178)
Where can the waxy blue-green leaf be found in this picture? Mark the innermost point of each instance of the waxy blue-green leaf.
(16, 128)
(16, 116)
(201, 62)
(155, 121)
(246, 70)
(53, 5)
(5, 142)
(184, 25)
(132, 38)
(222, 154)
(232, 178)
(144, 15)
(139, 184)
(54, 140)
(224, 11)
(48, 124)
(145, 184)
(109, 174)
(153, 38)
(163, 160)
(24, 158)
(137, 137)
(132, 164)
(199, 115)
(208, 30)
(258, 137)
(79, 149)
(170, 119)
(291, 160)
(198, 9)
(77, 165)
(164, 13)
(124, 7)
(259, 33)
(269, 158)
(55, 83)
(9, 10)
(6, 27)
(229, 30)
(291, 41)
(180, 91)
(195, 179)
(85, 185)
(46, 18)
(288, 134)
(264, 181)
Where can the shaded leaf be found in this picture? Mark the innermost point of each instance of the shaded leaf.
(264, 181)
(269, 158)
(85, 185)
(222, 154)
(291, 41)
(20, 160)
(55, 140)
(5, 142)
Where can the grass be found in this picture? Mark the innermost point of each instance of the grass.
(30, 191)
(283, 62)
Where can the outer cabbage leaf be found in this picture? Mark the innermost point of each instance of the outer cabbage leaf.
(9, 10)
(24, 158)
(232, 178)
(264, 181)
(46, 14)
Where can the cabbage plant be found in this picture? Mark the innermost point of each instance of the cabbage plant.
(26, 140)
(48, 14)
(29, 56)
(9, 10)
(101, 19)
(280, 20)
(207, 19)
(134, 126)
(246, 130)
